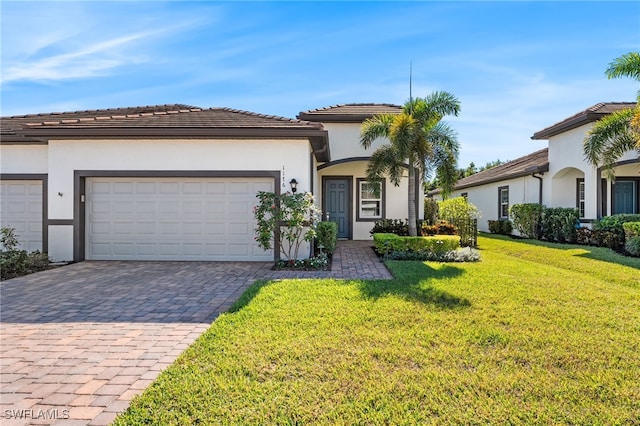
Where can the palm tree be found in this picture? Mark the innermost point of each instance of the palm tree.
(419, 141)
(614, 135)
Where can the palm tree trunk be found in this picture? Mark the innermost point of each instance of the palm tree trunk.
(413, 231)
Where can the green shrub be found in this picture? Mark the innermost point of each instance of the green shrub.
(631, 229)
(430, 211)
(390, 226)
(559, 224)
(504, 227)
(15, 262)
(464, 215)
(327, 235)
(527, 219)
(442, 227)
(609, 231)
(386, 243)
(632, 246)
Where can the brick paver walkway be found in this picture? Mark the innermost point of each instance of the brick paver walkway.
(78, 342)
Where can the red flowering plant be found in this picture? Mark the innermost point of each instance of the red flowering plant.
(294, 215)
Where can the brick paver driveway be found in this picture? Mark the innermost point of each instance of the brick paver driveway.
(78, 342)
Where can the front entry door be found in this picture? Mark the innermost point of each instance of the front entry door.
(625, 197)
(337, 194)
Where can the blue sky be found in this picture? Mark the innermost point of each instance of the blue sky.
(516, 67)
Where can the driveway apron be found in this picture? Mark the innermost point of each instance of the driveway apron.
(80, 341)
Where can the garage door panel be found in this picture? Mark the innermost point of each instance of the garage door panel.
(215, 188)
(174, 218)
(21, 209)
(169, 188)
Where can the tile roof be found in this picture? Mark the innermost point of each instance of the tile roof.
(349, 113)
(172, 120)
(594, 113)
(533, 163)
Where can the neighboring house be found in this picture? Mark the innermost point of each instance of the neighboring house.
(557, 176)
(175, 182)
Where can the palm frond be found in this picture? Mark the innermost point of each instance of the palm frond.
(375, 127)
(627, 65)
(402, 134)
(385, 161)
(609, 139)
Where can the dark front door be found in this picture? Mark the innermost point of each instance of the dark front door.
(625, 196)
(337, 194)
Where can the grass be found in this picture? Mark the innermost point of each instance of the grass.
(533, 334)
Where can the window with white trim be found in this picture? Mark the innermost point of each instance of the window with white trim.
(503, 202)
(370, 200)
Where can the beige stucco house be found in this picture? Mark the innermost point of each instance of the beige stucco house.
(558, 175)
(175, 182)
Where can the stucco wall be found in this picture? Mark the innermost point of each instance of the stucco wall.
(288, 156)
(485, 197)
(344, 141)
(23, 159)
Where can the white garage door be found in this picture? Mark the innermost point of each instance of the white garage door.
(173, 218)
(22, 209)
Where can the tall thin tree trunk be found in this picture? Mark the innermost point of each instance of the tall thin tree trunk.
(413, 230)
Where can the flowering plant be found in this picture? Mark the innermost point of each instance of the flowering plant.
(294, 216)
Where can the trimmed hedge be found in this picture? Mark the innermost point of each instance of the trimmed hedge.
(385, 242)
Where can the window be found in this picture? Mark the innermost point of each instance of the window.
(370, 200)
(503, 202)
(580, 196)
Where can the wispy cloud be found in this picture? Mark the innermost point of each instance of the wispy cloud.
(81, 43)
(88, 61)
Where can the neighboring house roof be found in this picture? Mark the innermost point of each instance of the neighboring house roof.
(348, 113)
(593, 113)
(161, 121)
(536, 162)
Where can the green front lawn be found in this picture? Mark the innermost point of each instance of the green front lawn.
(532, 334)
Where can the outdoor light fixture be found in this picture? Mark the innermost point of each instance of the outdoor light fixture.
(294, 185)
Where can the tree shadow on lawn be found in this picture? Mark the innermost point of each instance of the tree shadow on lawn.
(413, 281)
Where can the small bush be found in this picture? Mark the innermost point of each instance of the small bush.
(442, 227)
(632, 246)
(585, 236)
(327, 235)
(464, 215)
(504, 227)
(559, 224)
(390, 226)
(527, 218)
(386, 243)
(631, 229)
(609, 231)
(15, 262)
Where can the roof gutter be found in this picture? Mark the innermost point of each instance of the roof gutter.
(537, 173)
